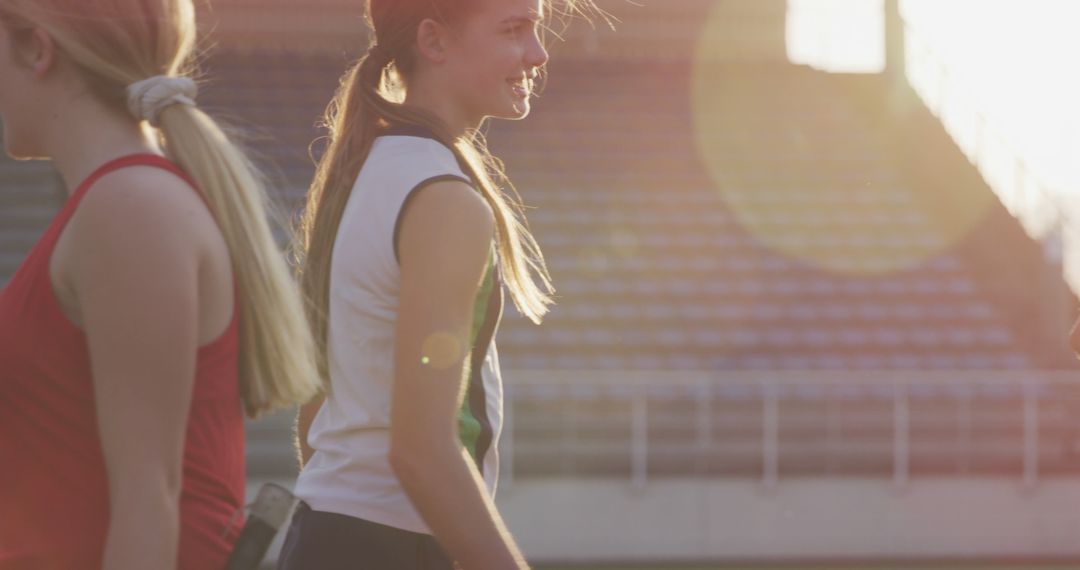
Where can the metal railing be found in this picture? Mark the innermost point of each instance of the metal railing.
(772, 425)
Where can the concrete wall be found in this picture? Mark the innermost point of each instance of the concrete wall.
(717, 30)
(805, 519)
(308, 25)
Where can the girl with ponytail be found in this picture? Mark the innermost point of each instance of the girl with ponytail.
(407, 244)
(154, 311)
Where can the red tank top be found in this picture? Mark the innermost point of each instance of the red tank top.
(54, 506)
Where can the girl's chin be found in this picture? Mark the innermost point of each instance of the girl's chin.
(516, 111)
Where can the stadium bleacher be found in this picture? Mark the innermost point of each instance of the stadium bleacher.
(657, 270)
(30, 194)
(661, 264)
(654, 268)
(656, 260)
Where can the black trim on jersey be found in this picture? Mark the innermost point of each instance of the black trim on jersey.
(409, 197)
(409, 130)
(477, 393)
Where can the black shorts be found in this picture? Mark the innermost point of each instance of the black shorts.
(319, 540)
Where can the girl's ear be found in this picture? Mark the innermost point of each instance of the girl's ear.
(38, 52)
(431, 40)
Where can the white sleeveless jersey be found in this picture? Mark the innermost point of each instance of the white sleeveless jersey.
(349, 472)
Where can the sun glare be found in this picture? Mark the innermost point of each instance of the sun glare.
(997, 72)
(843, 36)
(1000, 75)
(1013, 63)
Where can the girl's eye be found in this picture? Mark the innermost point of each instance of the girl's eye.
(519, 29)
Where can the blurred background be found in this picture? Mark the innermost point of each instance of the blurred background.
(816, 260)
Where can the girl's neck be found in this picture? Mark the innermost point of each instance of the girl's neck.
(83, 135)
(457, 119)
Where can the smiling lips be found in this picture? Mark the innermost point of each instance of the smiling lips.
(522, 86)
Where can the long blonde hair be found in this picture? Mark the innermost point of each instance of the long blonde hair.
(115, 43)
(366, 103)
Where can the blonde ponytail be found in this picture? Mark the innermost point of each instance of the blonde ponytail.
(277, 365)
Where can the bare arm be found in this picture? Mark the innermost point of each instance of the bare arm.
(134, 274)
(304, 416)
(444, 245)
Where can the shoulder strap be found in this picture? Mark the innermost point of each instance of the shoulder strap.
(151, 160)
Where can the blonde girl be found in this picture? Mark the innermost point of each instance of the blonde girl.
(155, 309)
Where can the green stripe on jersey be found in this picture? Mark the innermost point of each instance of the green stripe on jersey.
(469, 427)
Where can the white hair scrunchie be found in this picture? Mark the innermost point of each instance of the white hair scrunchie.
(146, 99)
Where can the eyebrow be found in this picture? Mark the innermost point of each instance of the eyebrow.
(531, 18)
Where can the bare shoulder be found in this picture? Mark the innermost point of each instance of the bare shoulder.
(446, 221)
(452, 205)
(145, 215)
(142, 196)
(456, 197)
